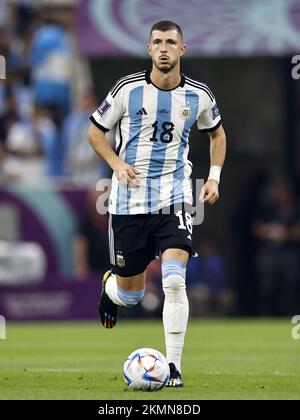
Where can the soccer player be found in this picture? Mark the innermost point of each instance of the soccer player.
(154, 111)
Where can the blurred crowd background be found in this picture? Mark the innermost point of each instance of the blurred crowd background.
(53, 243)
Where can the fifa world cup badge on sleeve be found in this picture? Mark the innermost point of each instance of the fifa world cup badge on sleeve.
(215, 112)
(103, 107)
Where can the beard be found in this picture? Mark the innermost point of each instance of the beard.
(165, 68)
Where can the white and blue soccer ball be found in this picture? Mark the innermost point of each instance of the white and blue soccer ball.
(146, 369)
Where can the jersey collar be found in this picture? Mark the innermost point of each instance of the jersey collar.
(149, 81)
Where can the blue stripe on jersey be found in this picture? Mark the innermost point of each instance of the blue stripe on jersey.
(135, 103)
(159, 148)
(191, 101)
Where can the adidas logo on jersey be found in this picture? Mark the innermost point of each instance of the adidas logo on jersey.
(142, 112)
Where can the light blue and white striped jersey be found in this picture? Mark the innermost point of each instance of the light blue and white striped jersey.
(153, 127)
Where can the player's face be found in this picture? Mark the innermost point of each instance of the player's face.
(166, 48)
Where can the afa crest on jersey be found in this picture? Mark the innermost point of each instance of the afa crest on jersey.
(185, 113)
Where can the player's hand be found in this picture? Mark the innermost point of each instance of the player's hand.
(209, 192)
(126, 174)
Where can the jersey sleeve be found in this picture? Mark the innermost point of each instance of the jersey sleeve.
(210, 118)
(109, 112)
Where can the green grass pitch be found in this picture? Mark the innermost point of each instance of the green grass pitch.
(223, 359)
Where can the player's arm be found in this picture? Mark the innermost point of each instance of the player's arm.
(104, 119)
(209, 121)
(210, 190)
(125, 173)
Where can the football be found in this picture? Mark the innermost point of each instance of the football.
(146, 369)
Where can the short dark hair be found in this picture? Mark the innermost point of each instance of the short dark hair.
(166, 25)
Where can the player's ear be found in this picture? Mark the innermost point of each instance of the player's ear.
(182, 49)
(149, 48)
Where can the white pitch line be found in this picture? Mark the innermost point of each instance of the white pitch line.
(55, 370)
(276, 373)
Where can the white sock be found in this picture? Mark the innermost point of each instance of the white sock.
(175, 317)
(111, 288)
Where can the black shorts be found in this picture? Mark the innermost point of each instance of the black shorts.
(135, 240)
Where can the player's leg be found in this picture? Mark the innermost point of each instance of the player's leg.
(174, 240)
(124, 284)
(175, 310)
(119, 291)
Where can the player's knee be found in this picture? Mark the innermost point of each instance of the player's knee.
(173, 284)
(173, 276)
(175, 310)
(130, 297)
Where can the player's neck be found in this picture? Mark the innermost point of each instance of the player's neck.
(165, 81)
